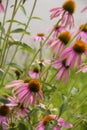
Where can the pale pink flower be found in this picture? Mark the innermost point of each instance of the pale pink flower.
(75, 52)
(64, 70)
(39, 37)
(27, 91)
(65, 13)
(81, 32)
(60, 123)
(57, 29)
(19, 107)
(60, 42)
(84, 9)
(1, 7)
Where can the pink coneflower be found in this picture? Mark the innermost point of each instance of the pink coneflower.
(39, 37)
(1, 6)
(4, 112)
(75, 52)
(57, 30)
(64, 70)
(27, 91)
(47, 119)
(19, 107)
(34, 74)
(60, 42)
(65, 13)
(84, 9)
(81, 32)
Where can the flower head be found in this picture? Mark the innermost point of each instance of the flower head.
(60, 42)
(39, 37)
(34, 73)
(82, 32)
(27, 91)
(57, 30)
(64, 71)
(65, 13)
(47, 119)
(74, 52)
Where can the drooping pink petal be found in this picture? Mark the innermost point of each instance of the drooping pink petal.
(1, 7)
(84, 9)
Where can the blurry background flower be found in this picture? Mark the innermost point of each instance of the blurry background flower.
(1, 6)
(40, 37)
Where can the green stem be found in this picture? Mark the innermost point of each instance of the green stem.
(7, 34)
(40, 51)
(5, 12)
(19, 41)
(15, 11)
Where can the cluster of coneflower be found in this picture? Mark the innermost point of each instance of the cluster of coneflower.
(68, 48)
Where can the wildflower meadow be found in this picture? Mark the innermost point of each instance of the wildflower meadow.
(43, 81)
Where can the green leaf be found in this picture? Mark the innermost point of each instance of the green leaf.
(22, 126)
(63, 107)
(64, 104)
(1, 74)
(24, 1)
(28, 48)
(48, 127)
(23, 46)
(16, 21)
(2, 28)
(20, 30)
(4, 100)
(23, 9)
(37, 18)
(14, 65)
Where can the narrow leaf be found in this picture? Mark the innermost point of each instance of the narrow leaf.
(16, 21)
(24, 1)
(4, 100)
(23, 9)
(20, 30)
(23, 46)
(14, 65)
(37, 18)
